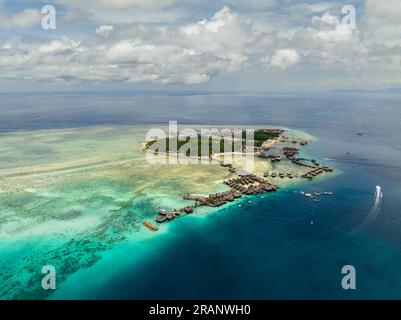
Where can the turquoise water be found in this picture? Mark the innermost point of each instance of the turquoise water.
(281, 247)
(265, 250)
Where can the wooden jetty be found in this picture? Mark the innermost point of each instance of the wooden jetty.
(245, 184)
(165, 215)
(316, 171)
(290, 152)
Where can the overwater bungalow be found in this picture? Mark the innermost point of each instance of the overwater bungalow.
(226, 165)
(188, 209)
(237, 195)
(290, 152)
(273, 130)
(161, 219)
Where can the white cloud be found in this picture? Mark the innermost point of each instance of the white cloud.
(284, 58)
(23, 19)
(122, 3)
(329, 28)
(381, 12)
(104, 30)
(58, 46)
(329, 42)
(137, 53)
(220, 20)
(128, 11)
(196, 52)
(382, 21)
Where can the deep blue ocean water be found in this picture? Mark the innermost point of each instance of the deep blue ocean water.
(280, 247)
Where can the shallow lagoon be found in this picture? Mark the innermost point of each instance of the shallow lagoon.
(266, 249)
(75, 193)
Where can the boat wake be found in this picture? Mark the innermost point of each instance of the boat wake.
(374, 212)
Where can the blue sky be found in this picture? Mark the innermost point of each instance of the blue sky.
(244, 46)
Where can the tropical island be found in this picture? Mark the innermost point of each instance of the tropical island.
(91, 189)
(259, 138)
(270, 144)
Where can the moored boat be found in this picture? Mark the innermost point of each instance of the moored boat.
(150, 226)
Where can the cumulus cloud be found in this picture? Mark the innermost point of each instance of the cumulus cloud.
(327, 41)
(192, 53)
(104, 30)
(140, 53)
(136, 53)
(329, 28)
(383, 12)
(122, 3)
(22, 19)
(284, 58)
(128, 11)
(382, 20)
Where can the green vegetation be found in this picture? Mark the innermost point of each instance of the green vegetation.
(191, 145)
(260, 136)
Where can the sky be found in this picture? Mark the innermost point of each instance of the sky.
(191, 45)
